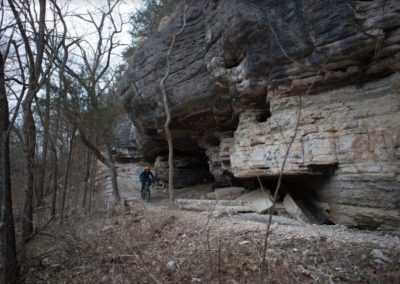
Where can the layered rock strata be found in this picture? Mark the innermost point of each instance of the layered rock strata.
(241, 69)
(126, 149)
(348, 140)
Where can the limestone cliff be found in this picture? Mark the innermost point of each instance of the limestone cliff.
(242, 70)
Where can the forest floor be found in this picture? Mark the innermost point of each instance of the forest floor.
(153, 243)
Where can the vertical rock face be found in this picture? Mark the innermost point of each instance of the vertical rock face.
(125, 133)
(346, 151)
(241, 72)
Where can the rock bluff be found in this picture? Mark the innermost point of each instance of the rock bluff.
(240, 73)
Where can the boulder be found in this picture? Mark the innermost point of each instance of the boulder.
(258, 200)
(294, 209)
(378, 254)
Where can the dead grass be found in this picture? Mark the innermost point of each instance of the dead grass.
(156, 245)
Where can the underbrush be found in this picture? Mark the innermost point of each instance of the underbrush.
(162, 246)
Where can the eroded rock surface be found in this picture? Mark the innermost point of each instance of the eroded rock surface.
(239, 72)
(125, 132)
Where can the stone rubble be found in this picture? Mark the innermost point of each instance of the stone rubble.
(378, 255)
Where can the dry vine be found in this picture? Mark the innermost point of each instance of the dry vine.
(286, 143)
(278, 185)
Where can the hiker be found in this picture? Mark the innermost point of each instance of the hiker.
(146, 176)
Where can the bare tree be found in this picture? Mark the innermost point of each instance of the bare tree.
(34, 46)
(168, 134)
(88, 165)
(45, 120)
(96, 62)
(10, 269)
(55, 159)
(67, 169)
(7, 231)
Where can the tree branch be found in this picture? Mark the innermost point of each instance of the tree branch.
(93, 148)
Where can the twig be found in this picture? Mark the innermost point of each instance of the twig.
(219, 263)
(146, 269)
(38, 230)
(280, 45)
(209, 254)
(283, 137)
(59, 237)
(45, 254)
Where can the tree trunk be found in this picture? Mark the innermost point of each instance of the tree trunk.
(86, 179)
(114, 177)
(35, 61)
(55, 160)
(55, 184)
(66, 174)
(170, 162)
(29, 132)
(92, 183)
(10, 262)
(42, 170)
(10, 269)
(46, 186)
(77, 176)
(106, 160)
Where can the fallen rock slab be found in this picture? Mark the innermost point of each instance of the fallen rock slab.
(221, 210)
(218, 208)
(207, 205)
(257, 199)
(263, 218)
(226, 193)
(294, 209)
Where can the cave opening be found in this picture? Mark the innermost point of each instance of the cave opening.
(190, 169)
(265, 113)
(303, 189)
(210, 140)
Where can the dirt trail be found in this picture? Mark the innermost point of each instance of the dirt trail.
(337, 234)
(235, 223)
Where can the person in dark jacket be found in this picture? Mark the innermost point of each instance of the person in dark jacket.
(146, 176)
